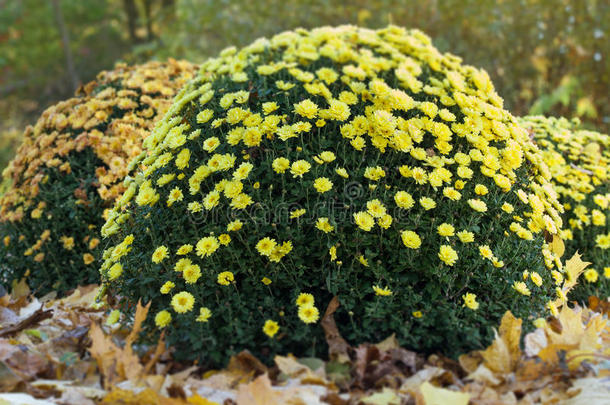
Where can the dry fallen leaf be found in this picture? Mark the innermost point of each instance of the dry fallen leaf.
(50, 361)
(557, 246)
(590, 391)
(115, 363)
(573, 268)
(386, 397)
(504, 353)
(440, 396)
(534, 342)
(337, 346)
(259, 392)
(293, 369)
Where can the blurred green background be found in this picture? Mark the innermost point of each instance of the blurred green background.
(544, 56)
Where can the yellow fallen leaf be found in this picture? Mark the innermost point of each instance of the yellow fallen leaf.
(572, 328)
(197, 400)
(550, 354)
(483, 375)
(82, 296)
(504, 353)
(385, 397)
(573, 268)
(441, 396)
(578, 339)
(147, 396)
(19, 289)
(557, 246)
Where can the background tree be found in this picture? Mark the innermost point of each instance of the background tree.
(545, 56)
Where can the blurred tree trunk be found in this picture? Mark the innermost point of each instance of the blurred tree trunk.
(65, 41)
(148, 15)
(132, 19)
(169, 6)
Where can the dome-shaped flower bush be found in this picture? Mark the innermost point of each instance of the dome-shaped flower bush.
(70, 168)
(339, 162)
(579, 161)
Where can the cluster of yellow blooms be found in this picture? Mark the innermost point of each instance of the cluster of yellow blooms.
(447, 179)
(71, 166)
(579, 161)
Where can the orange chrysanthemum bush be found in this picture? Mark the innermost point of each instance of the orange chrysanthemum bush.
(341, 162)
(70, 168)
(579, 161)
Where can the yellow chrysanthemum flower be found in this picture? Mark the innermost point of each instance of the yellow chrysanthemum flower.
(308, 313)
(521, 288)
(162, 319)
(385, 291)
(410, 239)
(270, 328)
(160, 254)
(470, 301)
(204, 314)
(225, 278)
(305, 299)
(183, 302)
(448, 255)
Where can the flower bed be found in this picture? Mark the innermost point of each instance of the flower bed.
(578, 160)
(70, 168)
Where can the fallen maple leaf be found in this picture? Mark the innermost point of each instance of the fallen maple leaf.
(573, 268)
(504, 353)
(441, 396)
(115, 363)
(578, 339)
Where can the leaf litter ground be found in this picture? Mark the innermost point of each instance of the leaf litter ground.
(63, 351)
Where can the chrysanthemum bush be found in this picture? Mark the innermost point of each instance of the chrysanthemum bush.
(70, 169)
(339, 162)
(579, 160)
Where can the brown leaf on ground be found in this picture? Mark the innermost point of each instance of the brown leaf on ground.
(23, 362)
(259, 392)
(338, 348)
(8, 379)
(246, 363)
(115, 363)
(38, 316)
(601, 306)
(563, 362)
(242, 369)
(373, 367)
(290, 366)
